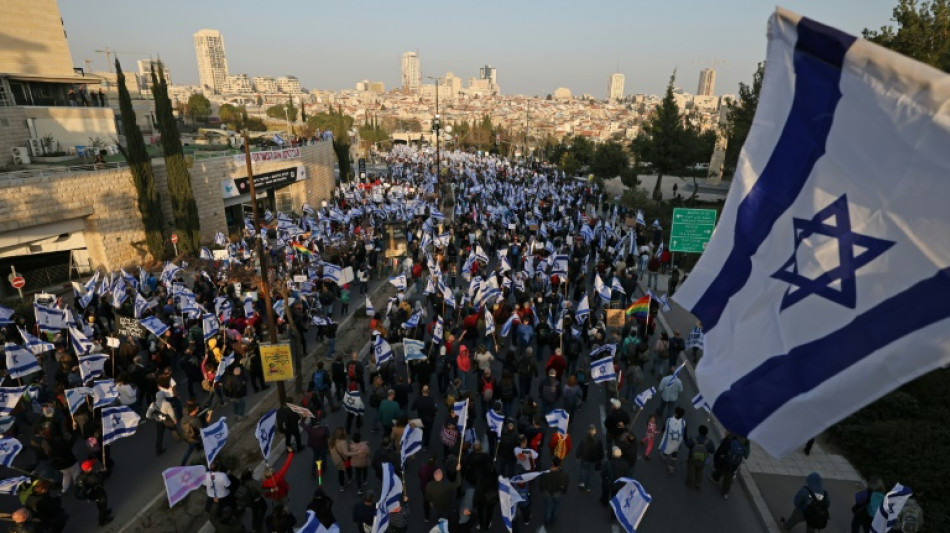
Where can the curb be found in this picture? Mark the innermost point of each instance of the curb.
(745, 477)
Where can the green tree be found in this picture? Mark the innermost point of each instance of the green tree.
(609, 160)
(923, 32)
(341, 141)
(232, 115)
(176, 169)
(741, 113)
(278, 111)
(583, 149)
(663, 141)
(328, 121)
(140, 164)
(199, 107)
(569, 164)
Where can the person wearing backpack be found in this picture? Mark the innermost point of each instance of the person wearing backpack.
(235, 389)
(700, 449)
(867, 503)
(191, 429)
(354, 372)
(674, 434)
(91, 485)
(338, 373)
(321, 386)
(527, 370)
(729, 456)
(288, 423)
(812, 506)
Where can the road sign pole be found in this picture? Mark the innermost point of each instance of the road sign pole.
(17, 286)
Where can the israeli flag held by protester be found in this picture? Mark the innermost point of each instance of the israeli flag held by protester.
(9, 397)
(141, 306)
(279, 141)
(640, 219)
(413, 321)
(832, 246)
(630, 504)
(20, 362)
(602, 370)
(280, 308)
(583, 310)
(506, 327)
(313, 525)
(560, 265)
(209, 326)
(616, 286)
(104, 393)
(438, 331)
(353, 403)
(206, 254)
(411, 443)
(886, 516)
(508, 498)
(6, 316)
(169, 272)
(700, 403)
(413, 349)
(461, 413)
(265, 431)
(496, 421)
(644, 397)
(92, 366)
(118, 422)
(696, 339)
(9, 449)
(181, 480)
(214, 437)
(399, 282)
(332, 272)
(528, 476)
(76, 396)
(489, 323)
(248, 305)
(370, 311)
(558, 418)
(389, 498)
(227, 361)
(664, 303)
(382, 350)
(11, 486)
(49, 319)
(154, 326)
(220, 239)
(602, 290)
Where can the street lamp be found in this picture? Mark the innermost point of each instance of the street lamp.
(436, 126)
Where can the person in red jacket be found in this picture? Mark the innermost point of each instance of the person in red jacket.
(557, 363)
(274, 486)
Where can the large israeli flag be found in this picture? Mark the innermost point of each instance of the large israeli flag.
(886, 516)
(49, 319)
(508, 498)
(20, 362)
(265, 431)
(214, 437)
(834, 243)
(630, 504)
(104, 393)
(411, 443)
(118, 422)
(602, 370)
(9, 449)
(382, 350)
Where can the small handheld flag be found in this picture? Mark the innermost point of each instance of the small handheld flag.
(558, 418)
(181, 480)
(118, 422)
(214, 437)
(630, 504)
(602, 370)
(644, 397)
(265, 431)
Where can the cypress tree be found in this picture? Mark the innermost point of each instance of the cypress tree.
(140, 164)
(176, 169)
(341, 144)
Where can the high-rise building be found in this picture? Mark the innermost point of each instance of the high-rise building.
(615, 87)
(707, 82)
(411, 72)
(288, 84)
(489, 73)
(212, 63)
(144, 76)
(265, 84)
(239, 84)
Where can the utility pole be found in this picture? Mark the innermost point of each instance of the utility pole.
(527, 127)
(264, 283)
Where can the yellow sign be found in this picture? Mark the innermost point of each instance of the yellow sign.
(616, 318)
(277, 363)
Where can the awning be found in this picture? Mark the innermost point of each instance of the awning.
(87, 80)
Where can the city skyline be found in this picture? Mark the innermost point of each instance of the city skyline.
(564, 45)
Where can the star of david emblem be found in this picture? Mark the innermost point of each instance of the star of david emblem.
(186, 477)
(845, 273)
(3, 448)
(13, 357)
(116, 420)
(3, 397)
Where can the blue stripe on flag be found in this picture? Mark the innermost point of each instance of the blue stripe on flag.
(783, 377)
(819, 54)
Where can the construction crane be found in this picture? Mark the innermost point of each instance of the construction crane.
(109, 52)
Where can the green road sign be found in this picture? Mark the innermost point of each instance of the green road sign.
(692, 229)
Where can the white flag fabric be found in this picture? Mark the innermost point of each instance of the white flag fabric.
(266, 427)
(9, 397)
(700, 403)
(489, 323)
(558, 418)
(34, 344)
(630, 504)
(413, 349)
(461, 413)
(389, 498)
(508, 498)
(209, 326)
(214, 437)
(49, 319)
(6, 316)
(92, 366)
(833, 242)
(20, 362)
(223, 367)
(382, 350)
(313, 525)
(181, 480)
(76, 396)
(11, 486)
(496, 421)
(9, 449)
(370, 311)
(411, 443)
(438, 331)
(886, 516)
(154, 325)
(399, 282)
(353, 403)
(104, 393)
(602, 370)
(118, 422)
(506, 327)
(80, 343)
(644, 397)
(583, 310)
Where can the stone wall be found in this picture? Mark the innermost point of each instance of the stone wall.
(14, 132)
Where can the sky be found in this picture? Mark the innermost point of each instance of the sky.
(536, 46)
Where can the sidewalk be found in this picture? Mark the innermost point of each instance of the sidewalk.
(773, 482)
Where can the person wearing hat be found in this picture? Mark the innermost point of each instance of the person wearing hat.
(556, 362)
(615, 468)
(616, 421)
(550, 391)
(90, 486)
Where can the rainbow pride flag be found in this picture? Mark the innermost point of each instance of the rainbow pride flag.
(300, 248)
(640, 308)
